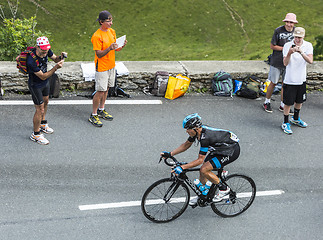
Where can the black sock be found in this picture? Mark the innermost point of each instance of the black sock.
(36, 133)
(296, 113)
(286, 118)
(43, 122)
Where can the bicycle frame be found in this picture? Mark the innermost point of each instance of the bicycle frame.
(183, 177)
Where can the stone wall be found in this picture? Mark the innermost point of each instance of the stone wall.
(141, 74)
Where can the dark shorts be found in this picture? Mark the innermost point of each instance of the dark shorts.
(294, 94)
(219, 161)
(37, 94)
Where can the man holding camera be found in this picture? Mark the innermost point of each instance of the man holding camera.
(281, 35)
(38, 84)
(296, 56)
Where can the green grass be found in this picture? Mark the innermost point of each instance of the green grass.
(174, 30)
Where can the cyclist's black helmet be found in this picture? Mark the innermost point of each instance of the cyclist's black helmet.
(192, 121)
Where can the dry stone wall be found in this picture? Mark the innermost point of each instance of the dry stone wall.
(141, 74)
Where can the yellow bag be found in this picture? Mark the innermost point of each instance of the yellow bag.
(177, 86)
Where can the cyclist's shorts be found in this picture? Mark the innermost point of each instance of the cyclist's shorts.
(219, 161)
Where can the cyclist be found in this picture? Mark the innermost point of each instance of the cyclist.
(217, 148)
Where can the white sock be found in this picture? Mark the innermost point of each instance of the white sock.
(267, 100)
(101, 109)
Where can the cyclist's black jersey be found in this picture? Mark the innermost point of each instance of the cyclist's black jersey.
(217, 141)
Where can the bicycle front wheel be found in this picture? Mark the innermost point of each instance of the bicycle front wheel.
(240, 198)
(165, 200)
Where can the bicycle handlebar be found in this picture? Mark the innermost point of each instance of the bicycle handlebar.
(171, 161)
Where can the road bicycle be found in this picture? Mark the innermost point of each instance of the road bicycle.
(168, 198)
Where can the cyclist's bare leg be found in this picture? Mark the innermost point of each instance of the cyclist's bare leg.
(207, 174)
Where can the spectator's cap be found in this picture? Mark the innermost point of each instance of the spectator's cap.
(104, 15)
(290, 17)
(299, 32)
(43, 43)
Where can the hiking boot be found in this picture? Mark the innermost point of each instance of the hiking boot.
(291, 112)
(95, 120)
(39, 139)
(286, 128)
(103, 114)
(46, 129)
(298, 122)
(221, 194)
(193, 201)
(267, 107)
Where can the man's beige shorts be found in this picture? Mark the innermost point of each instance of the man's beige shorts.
(104, 80)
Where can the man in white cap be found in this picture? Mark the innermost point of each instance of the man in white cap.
(281, 35)
(104, 45)
(38, 84)
(296, 56)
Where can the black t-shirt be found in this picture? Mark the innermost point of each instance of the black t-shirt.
(32, 67)
(280, 37)
(217, 141)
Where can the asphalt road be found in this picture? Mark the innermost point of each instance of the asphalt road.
(42, 187)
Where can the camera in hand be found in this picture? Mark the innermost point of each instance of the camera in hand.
(293, 45)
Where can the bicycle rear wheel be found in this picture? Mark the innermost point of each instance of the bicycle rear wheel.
(165, 200)
(240, 198)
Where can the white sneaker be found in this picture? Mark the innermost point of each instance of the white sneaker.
(46, 129)
(193, 201)
(221, 194)
(39, 139)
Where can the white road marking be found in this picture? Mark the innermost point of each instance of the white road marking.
(158, 201)
(82, 102)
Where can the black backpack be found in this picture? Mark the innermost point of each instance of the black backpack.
(222, 84)
(54, 86)
(117, 91)
(250, 88)
(159, 86)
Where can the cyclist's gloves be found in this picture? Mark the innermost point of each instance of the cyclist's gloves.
(166, 154)
(178, 170)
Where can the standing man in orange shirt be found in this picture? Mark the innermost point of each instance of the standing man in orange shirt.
(104, 45)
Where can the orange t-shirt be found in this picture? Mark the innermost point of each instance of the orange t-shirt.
(102, 40)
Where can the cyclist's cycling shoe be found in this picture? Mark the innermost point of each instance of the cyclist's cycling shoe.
(298, 122)
(221, 194)
(105, 115)
(193, 202)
